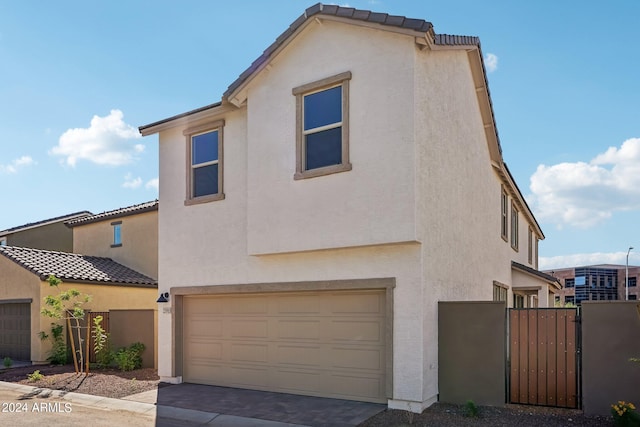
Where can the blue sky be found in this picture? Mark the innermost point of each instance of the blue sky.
(77, 78)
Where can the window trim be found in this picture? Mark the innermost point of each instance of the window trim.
(189, 133)
(504, 217)
(117, 225)
(300, 92)
(515, 227)
(530, 246)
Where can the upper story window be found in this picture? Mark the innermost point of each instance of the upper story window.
(117, 234)
(322, 127)
(530, 246)
(204, 151)
(632, 281)
(3, 241)
(504, 230)
(500, 291)
(514, 227)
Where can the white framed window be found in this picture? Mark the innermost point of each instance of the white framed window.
(204, 163)
(322, 127)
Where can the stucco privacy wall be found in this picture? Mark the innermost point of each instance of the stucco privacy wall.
(103, 298)
(18, 283)
(356, 212)
(139, 249)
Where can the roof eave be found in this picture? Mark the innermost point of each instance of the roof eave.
(207, 112)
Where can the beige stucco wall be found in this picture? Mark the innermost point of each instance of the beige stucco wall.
(51, 237)
(139, 249)
(422, 203)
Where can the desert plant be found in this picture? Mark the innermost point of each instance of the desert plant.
(35, 376)
(102, 344)
(471, 409)
(68, 305)
(58, 352)
(625, 415)
(7, 362)
(130, 358)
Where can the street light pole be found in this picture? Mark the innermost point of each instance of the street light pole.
(626, 281)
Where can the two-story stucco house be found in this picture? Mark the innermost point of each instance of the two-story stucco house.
(311, 220)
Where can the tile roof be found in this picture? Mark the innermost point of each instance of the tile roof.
(45, 222)
(417, 25)
(117, 213)
(75, 267)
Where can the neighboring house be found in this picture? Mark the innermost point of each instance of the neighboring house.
(602, 282)
(50, 234)
(128, 235)
(349, 179)
(23, 287)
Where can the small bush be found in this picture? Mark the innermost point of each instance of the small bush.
(7, 362)
(471, 409)
(35, 376)
(58, 353)
(625, 415)
(130, 358)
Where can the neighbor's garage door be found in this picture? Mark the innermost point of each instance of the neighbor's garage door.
(15, 331)
(328, 343)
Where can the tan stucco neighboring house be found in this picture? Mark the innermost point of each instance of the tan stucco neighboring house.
(349, 179)
(127, 235)
(23, 287)
(49, 234)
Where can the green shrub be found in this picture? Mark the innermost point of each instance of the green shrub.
(7, 362)
(102, 347)
(130, 358)
(471, 409)
(58, 353)
(625, 415)
(35, 376)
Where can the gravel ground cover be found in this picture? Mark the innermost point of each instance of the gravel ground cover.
(446, 415)
(99, 382)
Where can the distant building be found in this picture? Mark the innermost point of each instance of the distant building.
(602, 282)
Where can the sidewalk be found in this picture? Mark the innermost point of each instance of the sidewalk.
(142, 404)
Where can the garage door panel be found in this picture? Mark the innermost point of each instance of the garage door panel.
(206, 326)
(349, 330)
(298, 329)
(298, 355)
(248, 328)
(15, 331)
(254, 353)
(305, 343)
(356, 304)
(356, 358)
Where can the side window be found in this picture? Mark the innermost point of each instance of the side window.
(504, 222)
(322, 127)
(514, 227)
(117, 234)
(3, 241)
(500, 292)
(205, 163)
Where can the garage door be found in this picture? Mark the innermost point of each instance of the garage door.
(15, 331)
(329, 344)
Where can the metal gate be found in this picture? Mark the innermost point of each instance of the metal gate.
(544, 357)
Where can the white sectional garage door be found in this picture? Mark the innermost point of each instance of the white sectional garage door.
(326, 343)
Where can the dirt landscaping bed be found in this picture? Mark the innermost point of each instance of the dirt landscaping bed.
(445, 415)
(100, 382)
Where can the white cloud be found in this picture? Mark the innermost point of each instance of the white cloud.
(16, 165)
(107, 141)
(152, 184)
(584, 194)
(131, 182)
(491, 62)
(579, 260)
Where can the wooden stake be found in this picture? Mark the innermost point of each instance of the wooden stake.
(73, 345)
(86, 354)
